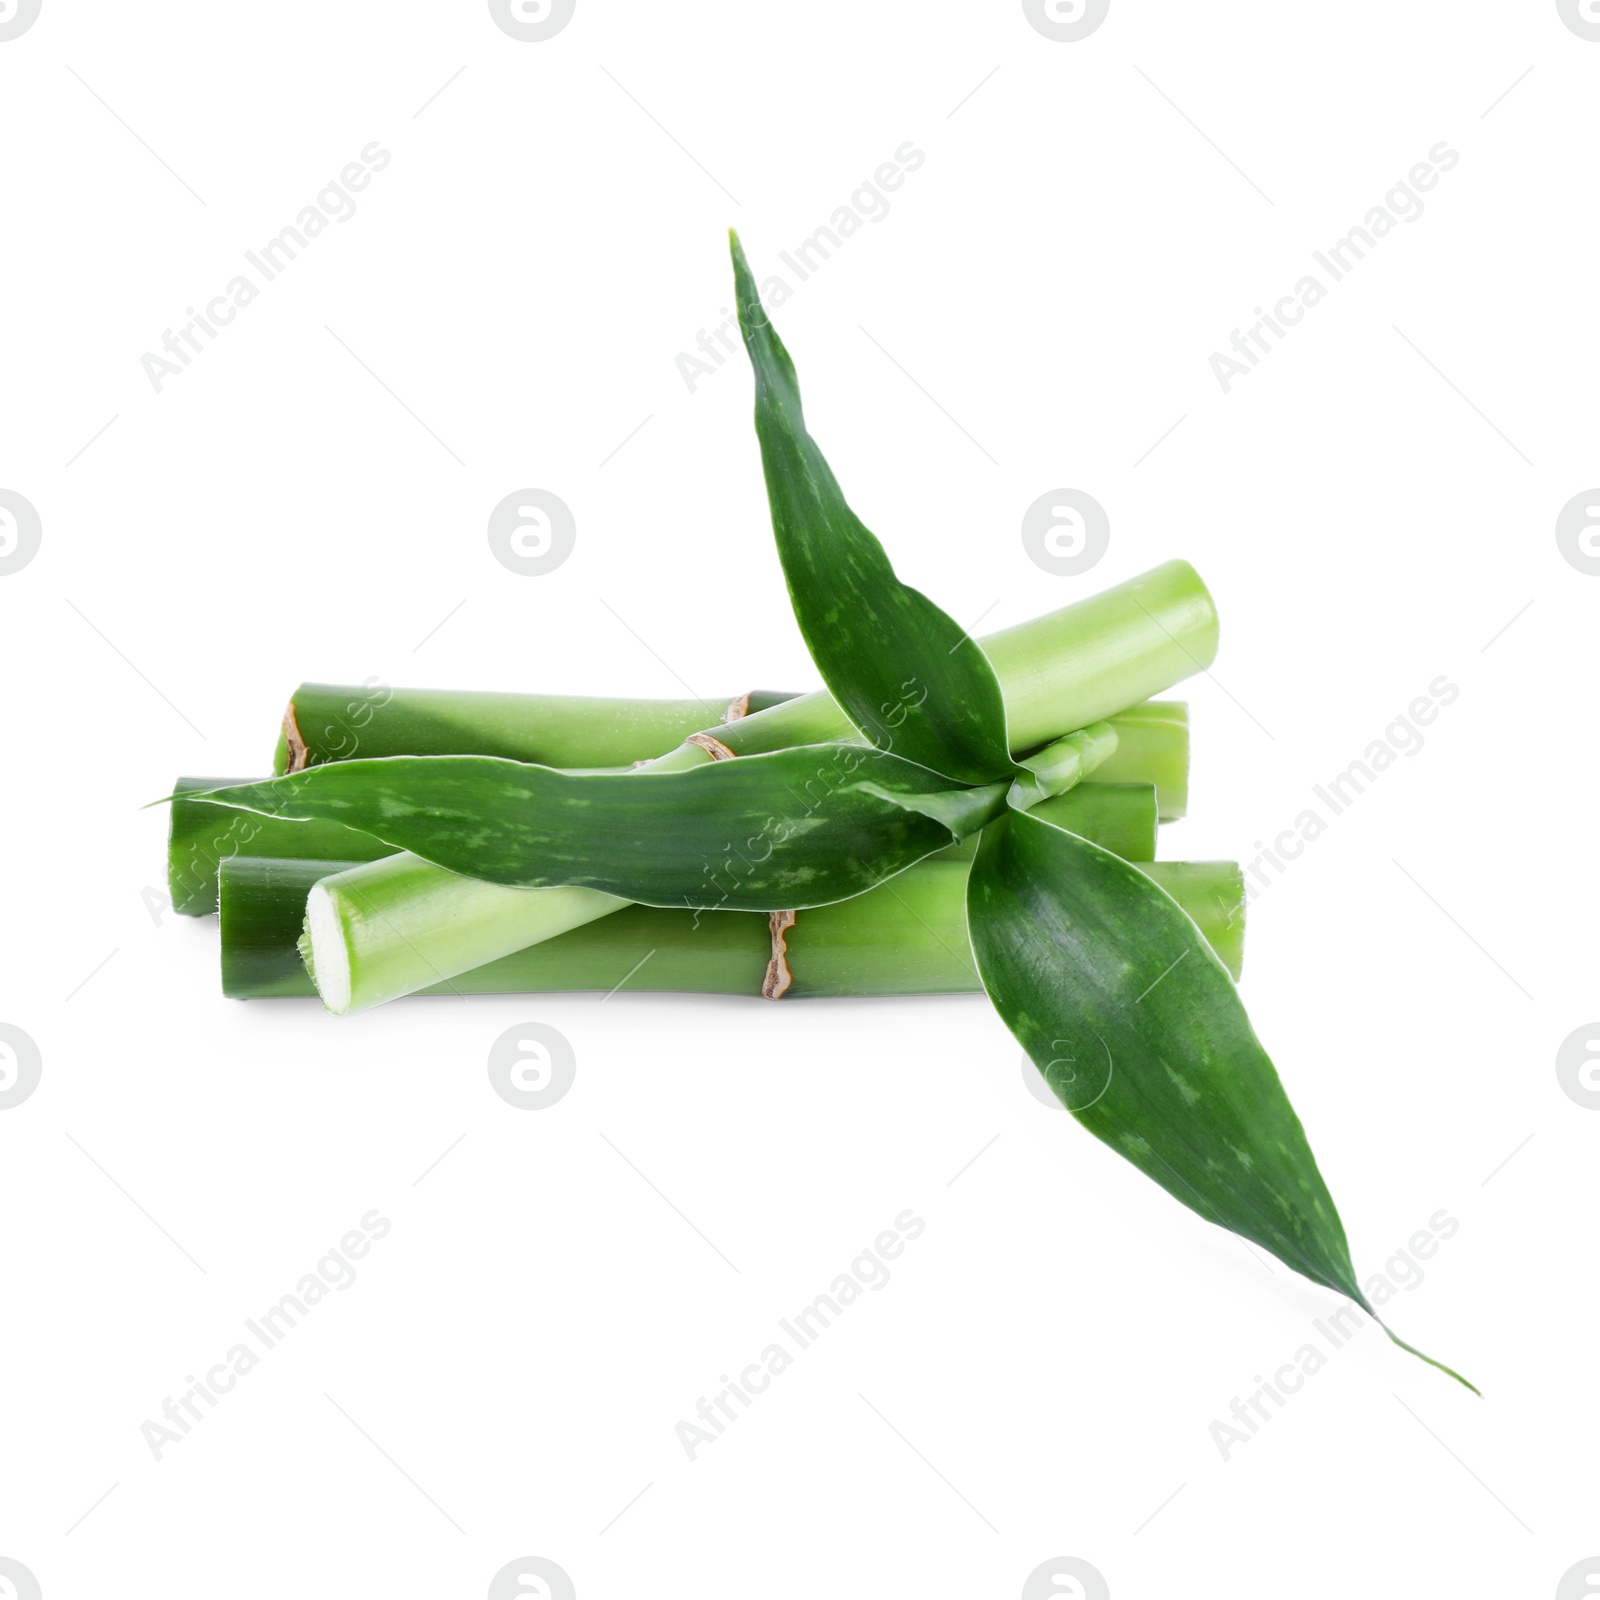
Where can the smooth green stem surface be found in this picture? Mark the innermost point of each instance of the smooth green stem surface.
(199, 836)
(392, 927)
(1058, 673)
(338, 722)
(1063, 765)
(1119, 817)
(1212, 892)
(906, 937)
(1152, 747)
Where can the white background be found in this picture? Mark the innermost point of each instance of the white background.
(1371, 507)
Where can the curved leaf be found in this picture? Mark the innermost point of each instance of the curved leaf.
(907, 674)
(1139, 1030)
(796, 828)
(1137, 1027)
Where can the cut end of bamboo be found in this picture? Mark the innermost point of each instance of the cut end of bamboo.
(327, 956)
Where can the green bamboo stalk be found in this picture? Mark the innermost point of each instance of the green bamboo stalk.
(909, 935)
(906, 937)
(1152, 737)
(1212, 892)
(391, 927)
(338, 722)
(1060, 767)
(1152, 747)
(1058, 673)
(1097, 659)
(383, 929)
(199, 836)
(1119, 817)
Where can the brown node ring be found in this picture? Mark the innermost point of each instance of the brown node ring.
(778, 978)
(299, 754)
(714, 748)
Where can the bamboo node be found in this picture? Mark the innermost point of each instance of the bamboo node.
(776, 983)
(714, 748)
(299, 754)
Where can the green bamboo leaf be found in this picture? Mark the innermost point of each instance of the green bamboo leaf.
(1138, 1029)
(796, 828)
(906, 673)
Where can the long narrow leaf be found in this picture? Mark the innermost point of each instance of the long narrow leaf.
(905, 672)
(796, 828)
(1137, 1027)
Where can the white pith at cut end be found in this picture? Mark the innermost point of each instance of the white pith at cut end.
(330, 955)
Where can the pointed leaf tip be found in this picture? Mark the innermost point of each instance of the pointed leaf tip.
(1411, 1349)
(891, 657)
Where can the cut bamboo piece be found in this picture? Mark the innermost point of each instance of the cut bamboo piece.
(906, 937)
(1057, 673)
(339, 722)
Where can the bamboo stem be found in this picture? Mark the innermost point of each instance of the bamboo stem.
(338, 722)
(1152, 748)
(199, 836)
(1060, 767)
(1058, 673)
(906, 937)
(333, 722)
(1084, 663)
(1119, 817)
